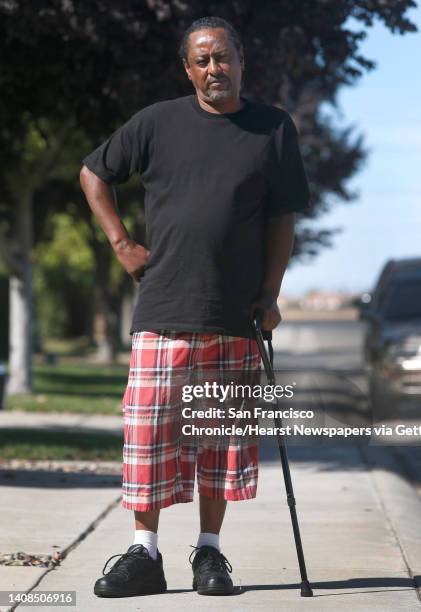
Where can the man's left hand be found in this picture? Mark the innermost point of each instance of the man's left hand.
(267, 306)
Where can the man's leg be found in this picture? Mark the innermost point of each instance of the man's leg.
(226, 468)
(147, 520)
(155, 475)
(146, 530)
(212, 512)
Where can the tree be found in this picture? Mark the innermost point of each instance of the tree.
(33, 156)
(65, 75)
(92, 65)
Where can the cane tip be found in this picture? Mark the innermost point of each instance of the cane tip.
(306, 589)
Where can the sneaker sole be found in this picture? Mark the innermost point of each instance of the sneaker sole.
(218, 590)
(109, 592)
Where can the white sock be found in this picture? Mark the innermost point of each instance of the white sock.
(208, 539)
(149, 539)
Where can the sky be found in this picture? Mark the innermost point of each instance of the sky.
(384, 221)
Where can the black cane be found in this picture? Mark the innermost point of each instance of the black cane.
(261, 335)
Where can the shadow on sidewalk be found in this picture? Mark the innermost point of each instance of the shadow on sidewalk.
(319, 458)
(384, 584)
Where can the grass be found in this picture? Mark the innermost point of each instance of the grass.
(81, 388)
(50, 445)
(80, 346)
(67, 387)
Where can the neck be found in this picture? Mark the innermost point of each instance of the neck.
(222, 106)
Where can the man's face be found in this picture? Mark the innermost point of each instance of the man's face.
(214, 65)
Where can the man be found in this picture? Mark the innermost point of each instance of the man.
(223, 177)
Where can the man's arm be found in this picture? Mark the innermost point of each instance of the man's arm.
(100, 196)
(279, 241)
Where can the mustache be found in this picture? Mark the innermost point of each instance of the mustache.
(223, 80)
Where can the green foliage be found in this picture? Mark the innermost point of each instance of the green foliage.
(64, 268)
(68, 253)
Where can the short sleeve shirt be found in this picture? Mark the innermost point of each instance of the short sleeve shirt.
(212, 182)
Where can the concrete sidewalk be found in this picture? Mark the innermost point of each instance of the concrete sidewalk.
(360, 524)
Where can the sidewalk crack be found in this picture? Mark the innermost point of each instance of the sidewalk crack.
(64, 553)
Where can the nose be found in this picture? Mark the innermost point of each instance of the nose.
(214, 67)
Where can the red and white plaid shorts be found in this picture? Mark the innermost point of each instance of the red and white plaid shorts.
(158, 462)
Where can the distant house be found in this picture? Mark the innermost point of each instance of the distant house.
(325, 300)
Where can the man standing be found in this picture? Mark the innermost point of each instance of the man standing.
(223, 178)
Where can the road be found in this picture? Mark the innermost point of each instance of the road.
(331, 352)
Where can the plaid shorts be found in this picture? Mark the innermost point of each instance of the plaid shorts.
(158, 461)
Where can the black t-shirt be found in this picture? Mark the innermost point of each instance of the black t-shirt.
(211, 183)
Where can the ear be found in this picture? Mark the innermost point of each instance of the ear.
(187, 69)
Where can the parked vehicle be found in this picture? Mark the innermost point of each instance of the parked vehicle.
(392, 345)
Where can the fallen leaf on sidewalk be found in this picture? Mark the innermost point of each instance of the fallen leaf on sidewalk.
(26, 559)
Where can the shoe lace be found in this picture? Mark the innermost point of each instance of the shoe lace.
(126, 558)
(213, 560)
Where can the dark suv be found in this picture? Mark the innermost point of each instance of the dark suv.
(392, 346)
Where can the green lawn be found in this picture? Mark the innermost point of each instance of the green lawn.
(72, 387)
(67, 387)
(49, 445)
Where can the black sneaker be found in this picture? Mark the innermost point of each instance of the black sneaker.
(135, 573)
(210, 571)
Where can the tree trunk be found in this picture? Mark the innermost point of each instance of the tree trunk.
(20, 301)
(106, 328)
